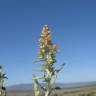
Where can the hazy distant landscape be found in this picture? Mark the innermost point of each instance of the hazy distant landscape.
(72, 89)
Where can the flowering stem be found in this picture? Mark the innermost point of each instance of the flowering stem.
(47, 54)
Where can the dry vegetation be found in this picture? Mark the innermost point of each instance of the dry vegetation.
(79, 91)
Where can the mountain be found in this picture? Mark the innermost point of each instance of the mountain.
(20, 87)
(25, 87)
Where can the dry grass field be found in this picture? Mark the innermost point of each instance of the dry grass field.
(75, 91)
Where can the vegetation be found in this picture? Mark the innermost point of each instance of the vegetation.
(89, 94)
(47, 54)
(2, 77)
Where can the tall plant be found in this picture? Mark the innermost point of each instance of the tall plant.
(2, 77)
(47, 54)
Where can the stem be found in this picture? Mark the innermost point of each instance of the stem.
(47, 93)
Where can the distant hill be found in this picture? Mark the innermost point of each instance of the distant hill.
(20, 87)
(25, 87)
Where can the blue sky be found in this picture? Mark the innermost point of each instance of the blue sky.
(73, 27)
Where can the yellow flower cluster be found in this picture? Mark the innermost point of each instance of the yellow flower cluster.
(47, 48)
(45, 37)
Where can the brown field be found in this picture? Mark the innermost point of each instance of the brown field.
(77, 91)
